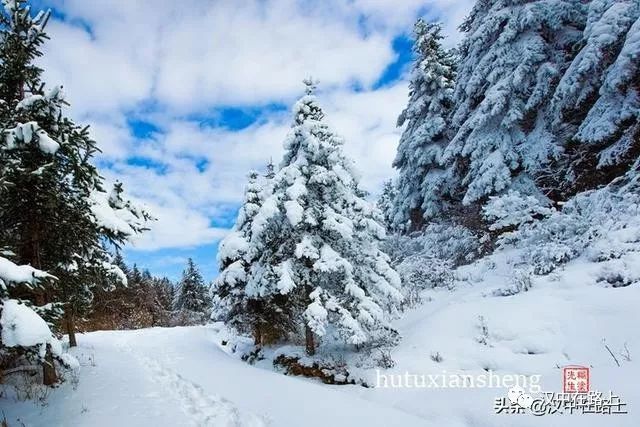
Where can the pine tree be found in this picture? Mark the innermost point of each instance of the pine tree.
(596, 106)
(192, 295)
(235, 256)
(26, 337)
(511, 59)
(319, 265)
(140, 301)
(165, 292)
(386, 203)
(423, 178)
(54, 213)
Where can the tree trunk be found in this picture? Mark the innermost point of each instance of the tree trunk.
(310, 343)
(417, 220)
(49, 376)
(71, 329)
(257, 335)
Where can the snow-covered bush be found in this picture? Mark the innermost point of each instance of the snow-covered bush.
(452, 242)
(449, 242)
(419, 272)
(521, 281)
(514, 209)
(427, 259)
(601, 224)
(619, 273)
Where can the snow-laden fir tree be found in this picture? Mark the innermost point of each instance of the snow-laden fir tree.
(26, 340)
(319, 266)
(511, 59)
(596, 106)
(424, 179)
(192, 294)
(235, 257)
(386, 203)
(54, 213)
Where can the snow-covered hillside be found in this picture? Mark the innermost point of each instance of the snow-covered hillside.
(184, 376)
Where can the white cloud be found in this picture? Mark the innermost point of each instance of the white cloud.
(184, 196)
(164, 62)
(211, 53)
(178, 226)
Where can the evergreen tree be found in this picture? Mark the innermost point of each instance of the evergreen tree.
(235, 257)
(423, 178)
(192, 295)
(318, 264)
(511, 59)
(386, 204)
(26, 338)
(596, 107)
(54, 213)
(142, 301)
(165, 293)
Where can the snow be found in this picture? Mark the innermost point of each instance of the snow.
(315, 314)
(294, 212)
(561, 321)
(23, 133)
(10, 6)
(268, 210)
(22, 327)
(46, 143)
(117, 220)
(232, 247)
(27, 102)
(10, 272)
(306, 249)
(285, 283)
(185, 376)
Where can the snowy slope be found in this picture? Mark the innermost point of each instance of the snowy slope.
(561, 321)
(180, 376)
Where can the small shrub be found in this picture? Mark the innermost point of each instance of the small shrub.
(483, 338)
(418, 273)
(436, 357)
(521, 281)
(384, 360)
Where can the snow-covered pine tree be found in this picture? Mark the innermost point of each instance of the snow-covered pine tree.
(165, 293)
(317, 240)
(596, 106)
(192, 298)
(25, 337)
(235, 256)
(511, 59)
(423, 179)
(54, 214)
(386, 203)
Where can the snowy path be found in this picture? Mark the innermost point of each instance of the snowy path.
(179, 377)
(201, 409)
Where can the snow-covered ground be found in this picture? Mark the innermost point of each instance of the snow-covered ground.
(182, 376)
(179, 377)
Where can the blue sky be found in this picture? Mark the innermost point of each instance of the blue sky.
(184, 101)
